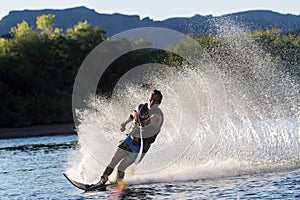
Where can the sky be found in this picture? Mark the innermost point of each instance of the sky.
(157, 9)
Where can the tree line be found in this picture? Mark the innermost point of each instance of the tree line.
(38, 66)
(37, 70)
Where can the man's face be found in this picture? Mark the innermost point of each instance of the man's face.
(153, 99)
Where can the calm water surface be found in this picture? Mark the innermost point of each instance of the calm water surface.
(32, 168)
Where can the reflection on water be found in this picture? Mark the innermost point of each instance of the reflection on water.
(281, 185)
(139, 193)
(41, 147)
(32, 168)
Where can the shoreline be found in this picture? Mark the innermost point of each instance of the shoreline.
(37, 131)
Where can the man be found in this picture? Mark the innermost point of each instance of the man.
(147, 122)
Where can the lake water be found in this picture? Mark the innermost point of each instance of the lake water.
(32, 168)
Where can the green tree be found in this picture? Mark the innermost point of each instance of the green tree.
(87, 36)
(45, 23)
(22, 30)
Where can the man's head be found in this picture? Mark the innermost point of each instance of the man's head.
(155, 97)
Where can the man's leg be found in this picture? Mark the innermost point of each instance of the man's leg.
(118, 156)
(126, 162)
(129, 160)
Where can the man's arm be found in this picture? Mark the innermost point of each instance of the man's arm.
(128, 120)
(154, 121)
(131, 117)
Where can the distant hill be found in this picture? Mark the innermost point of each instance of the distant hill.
(115, 23)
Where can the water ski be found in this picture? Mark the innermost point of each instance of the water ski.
(87, 187)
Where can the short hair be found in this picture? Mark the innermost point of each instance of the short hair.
(158, 93)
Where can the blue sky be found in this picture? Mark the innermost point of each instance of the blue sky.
(158, 9)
